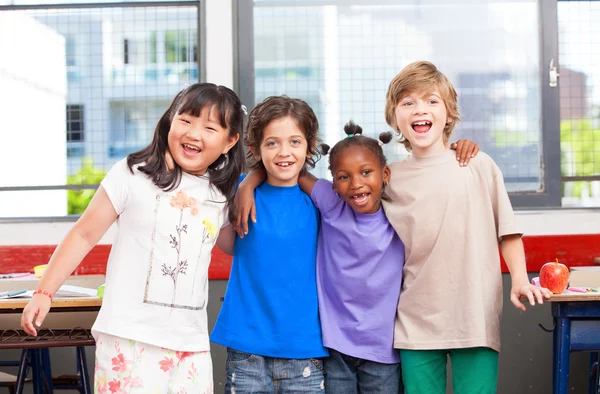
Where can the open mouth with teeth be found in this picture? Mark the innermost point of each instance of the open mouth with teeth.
(421, 126)
(360, 199)
(284, 164)
(191, 149)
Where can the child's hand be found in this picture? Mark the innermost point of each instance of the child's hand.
(244, 206)
(465, 151)
(529, 291)
(36, 309)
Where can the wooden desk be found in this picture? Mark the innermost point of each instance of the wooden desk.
(570, 296)
(576, 328)
(71, 304)
(13, 338)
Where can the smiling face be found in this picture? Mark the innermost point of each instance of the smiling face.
(283, 151)
(421, 118)
(195, 142)
(358, 177)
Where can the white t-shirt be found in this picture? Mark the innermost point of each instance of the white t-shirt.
(157, 274)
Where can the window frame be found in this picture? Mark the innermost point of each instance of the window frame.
(200, 61)
(551, 193)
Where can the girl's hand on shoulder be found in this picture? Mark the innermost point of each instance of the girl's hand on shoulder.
(245, 207)
(465, 151)
(36, 309)
(530, 292)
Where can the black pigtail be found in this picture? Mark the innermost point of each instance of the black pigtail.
(385, 137)
(352, 129)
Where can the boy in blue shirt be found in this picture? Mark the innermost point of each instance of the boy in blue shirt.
(269, 319)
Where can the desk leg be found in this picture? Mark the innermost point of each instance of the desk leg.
(84, 378)
(23, 371)
(37, 373)
(47, 369)
(562, 348)
(594, 376)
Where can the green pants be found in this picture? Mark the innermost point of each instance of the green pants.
(474, 370)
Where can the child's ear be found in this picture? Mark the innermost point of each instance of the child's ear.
(387, 174)
(449, 121)
(232, 141)
(254, 152)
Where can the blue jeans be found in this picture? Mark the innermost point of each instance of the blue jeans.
(350, 375)
(251, 373)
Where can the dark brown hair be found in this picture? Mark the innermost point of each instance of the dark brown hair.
(277, 107)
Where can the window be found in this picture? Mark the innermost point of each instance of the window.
(83, 65)
(341, 56)
(132, 125)
(579, 81)
(75, 124)
(71, 50)
(180, 46)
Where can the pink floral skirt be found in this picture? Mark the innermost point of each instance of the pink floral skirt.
(124, 366)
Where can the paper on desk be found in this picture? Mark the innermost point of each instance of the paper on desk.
(64, 291)
(27, 294)
(75, 291)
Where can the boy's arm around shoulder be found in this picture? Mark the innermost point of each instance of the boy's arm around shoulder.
(324, 196)
(245, 206)
(226, 239)
(307, 181)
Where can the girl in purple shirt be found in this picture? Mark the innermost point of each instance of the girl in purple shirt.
(359, 267)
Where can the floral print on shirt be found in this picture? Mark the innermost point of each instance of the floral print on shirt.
(184, 233)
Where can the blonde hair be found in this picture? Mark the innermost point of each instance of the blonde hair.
(421, 76)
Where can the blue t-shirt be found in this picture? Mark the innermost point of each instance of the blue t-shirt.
(270, 307)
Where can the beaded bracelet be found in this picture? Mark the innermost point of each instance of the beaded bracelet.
(44, 292)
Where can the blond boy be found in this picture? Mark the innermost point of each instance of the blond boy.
(451, 219)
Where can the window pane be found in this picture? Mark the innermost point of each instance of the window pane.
(96, 106)
(75, 125)
(340, 59)
(579, 40)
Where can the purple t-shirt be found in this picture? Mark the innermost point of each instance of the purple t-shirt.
(359, 274)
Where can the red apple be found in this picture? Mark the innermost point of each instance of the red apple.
(554, 277)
